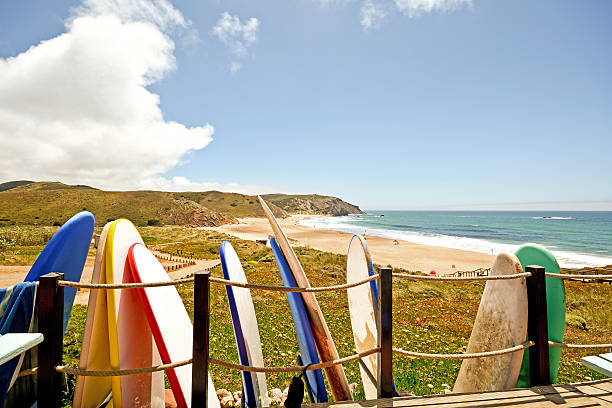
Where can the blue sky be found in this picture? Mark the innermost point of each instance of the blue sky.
(438, 104)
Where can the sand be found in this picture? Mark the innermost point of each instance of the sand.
(384, 251)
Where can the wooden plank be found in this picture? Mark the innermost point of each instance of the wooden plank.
(201, 316)
(537, 326)
(13, 344)
(603, 385)
(595, 392)
(598, 364)
(558, 396)
(384, 377)
(50, 351)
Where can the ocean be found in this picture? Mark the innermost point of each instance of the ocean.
(577, 238)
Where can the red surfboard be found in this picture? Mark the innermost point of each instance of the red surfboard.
(170, 323)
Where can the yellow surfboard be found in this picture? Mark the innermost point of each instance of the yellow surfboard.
(117, 335)
(95, 353)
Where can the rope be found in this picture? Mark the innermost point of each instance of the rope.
(461, 356)
(578, 346)
(30, 371)
(123, 285)
(576, 276)
(294, 289)
(457, 279)
(216, 280)
(295, 368)
(116, 373)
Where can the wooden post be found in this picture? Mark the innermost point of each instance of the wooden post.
(385, 341)
(537, 326)
(50, 351)
(201, 322)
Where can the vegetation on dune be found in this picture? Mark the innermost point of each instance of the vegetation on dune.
(427, 316)
(52, 203)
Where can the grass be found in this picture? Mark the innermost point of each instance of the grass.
(427, 317)
(20, 245)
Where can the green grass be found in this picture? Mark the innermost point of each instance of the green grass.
(427, 317)
(20, 245)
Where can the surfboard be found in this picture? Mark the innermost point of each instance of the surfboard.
(362, 301)
(66, 252)
(308, 349)
(169, 323)
(533, 254)
(246, 331)
(501, 322)
(325, 344)
(95, 353)
(131, 341)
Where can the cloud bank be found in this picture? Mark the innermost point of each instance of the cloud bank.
(76, 108)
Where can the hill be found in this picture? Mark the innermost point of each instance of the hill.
(52, 203)
(312, 204)
(14, 184)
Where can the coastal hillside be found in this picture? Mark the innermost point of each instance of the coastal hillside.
(52, 203)
(312, 204)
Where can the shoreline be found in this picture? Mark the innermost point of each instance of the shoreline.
(384, 251)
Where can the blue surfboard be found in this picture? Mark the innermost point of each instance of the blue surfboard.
(301, 322)
(245, 327)
(66, 253)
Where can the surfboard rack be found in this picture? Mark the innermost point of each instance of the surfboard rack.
(50, 317)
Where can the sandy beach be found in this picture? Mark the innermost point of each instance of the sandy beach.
(384, 251)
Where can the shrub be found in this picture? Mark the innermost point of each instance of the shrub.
(576, 321)
(577, 304)
(154, 223)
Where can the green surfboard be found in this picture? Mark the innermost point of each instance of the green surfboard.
(532, 254)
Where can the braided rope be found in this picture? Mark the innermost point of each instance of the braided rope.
(458, 279)
(117, 373)
(295, 368)
(216, 280)
(579, 346)
(461, 356)
(123, 285)
(294, 289)
(576, 276)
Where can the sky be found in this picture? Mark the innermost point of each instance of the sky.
(387, 104)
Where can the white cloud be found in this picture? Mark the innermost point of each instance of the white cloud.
(76, 108)
(372, 15)
(234, 67)
(183, 184)
(236, 35)
(332, 3)
(161, 13)
(416, 8)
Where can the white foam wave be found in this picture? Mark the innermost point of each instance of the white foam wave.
(552, 218)
(566, 259)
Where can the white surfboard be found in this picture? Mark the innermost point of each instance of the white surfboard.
(362, 311)
(130, 338)
(501, 322)
(245, 327)
(170, 323)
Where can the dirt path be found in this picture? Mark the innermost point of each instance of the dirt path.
(11, 275)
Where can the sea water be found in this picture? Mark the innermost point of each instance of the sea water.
(576, 238)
